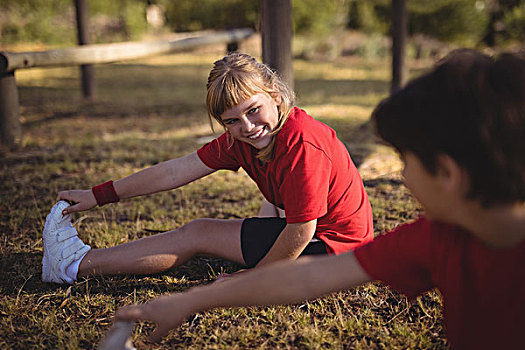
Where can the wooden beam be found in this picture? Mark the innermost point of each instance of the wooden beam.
(276, 27)
(106, 53)
(10, 127)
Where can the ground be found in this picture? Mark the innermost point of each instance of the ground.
(151, 110)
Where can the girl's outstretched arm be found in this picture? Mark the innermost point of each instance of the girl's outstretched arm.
(160, 177)
(280, 283)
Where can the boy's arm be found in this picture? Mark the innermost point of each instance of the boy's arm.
(160, 177)
(280, 283)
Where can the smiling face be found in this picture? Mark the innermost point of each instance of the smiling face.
(253, 120)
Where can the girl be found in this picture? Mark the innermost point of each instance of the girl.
(315, 199)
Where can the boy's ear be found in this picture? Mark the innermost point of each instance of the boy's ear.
(452, 177)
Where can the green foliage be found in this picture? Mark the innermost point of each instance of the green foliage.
(117, 20)
(35, 20)
(53, 21)
(317, 24)
(370, 16)
(448, 20)
(515, 23)
(192, 15)
(318, 27)
(320, 18)
(309, 16)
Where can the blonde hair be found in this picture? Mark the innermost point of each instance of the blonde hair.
(237, 77)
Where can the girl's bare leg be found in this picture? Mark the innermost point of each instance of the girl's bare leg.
(216, 237)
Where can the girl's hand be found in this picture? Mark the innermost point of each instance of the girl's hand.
(167, 311)
(81, 199)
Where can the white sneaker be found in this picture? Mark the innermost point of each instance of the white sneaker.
(61, 245)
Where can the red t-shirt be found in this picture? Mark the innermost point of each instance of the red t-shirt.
(483, 288)
(311, 176)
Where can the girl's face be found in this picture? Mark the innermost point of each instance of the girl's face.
(253, 120)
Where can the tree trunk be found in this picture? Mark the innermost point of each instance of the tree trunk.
(276, 23)
(399, 34)
(87, 71)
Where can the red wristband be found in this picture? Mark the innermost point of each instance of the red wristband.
(105, 193)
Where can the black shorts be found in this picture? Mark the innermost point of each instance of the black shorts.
(259, 234)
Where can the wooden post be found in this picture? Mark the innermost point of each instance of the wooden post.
(86, 70)
(232, 47)
(399, 34)
(10, 128)
(276, 27)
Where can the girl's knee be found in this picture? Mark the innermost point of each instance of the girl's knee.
(216, 237)
(198, 225)
(200, 229)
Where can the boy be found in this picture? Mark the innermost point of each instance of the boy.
(460, 131)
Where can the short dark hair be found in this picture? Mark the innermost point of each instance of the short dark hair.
(471, 107)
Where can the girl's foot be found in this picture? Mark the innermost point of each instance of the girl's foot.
(62, 246)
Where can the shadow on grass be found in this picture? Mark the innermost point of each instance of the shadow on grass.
(22, 273)
(196, 271)
(39, 113)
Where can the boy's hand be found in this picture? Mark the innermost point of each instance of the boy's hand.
(81, 199)
(166, 311)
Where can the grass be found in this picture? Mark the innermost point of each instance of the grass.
(151, 110)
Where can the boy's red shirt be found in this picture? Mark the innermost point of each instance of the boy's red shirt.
(483, 288)
(311, 176)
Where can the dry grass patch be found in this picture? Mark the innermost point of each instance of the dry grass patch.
(149, 111)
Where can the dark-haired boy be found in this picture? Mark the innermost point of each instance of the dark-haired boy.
(460, 130)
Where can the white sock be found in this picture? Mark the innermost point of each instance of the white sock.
(72, 269)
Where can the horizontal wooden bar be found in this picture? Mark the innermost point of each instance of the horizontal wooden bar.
(106, 53)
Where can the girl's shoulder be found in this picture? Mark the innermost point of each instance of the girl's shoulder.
(303, 131)
(300, 121)
(301, 125)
